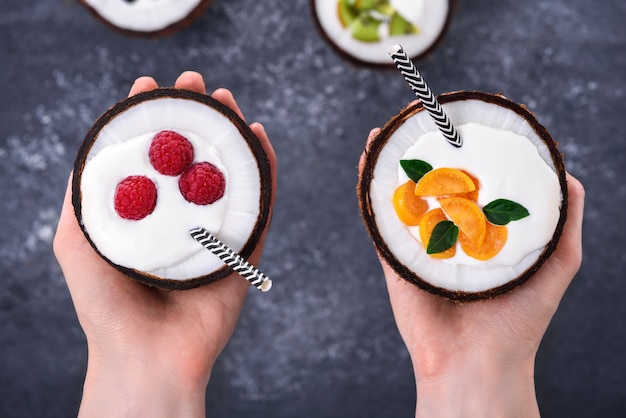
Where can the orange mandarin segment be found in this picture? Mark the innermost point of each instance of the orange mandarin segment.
(495, 238)
(444, 182)
(473, 195)
(467, 216)
(408, 206)
(427, 224)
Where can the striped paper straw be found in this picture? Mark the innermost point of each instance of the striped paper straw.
(421, 90)
(232, 259)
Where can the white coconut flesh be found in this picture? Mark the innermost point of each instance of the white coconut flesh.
(509, 159)
(428, 16)
(160, 244)
(143, 15)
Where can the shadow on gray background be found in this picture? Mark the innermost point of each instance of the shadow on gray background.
(327, 345)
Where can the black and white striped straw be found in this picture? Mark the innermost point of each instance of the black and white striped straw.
(232, 259)
(421, 90)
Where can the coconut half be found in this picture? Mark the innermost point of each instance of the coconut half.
(364, 30)
(152, 18)
(157, 249)
(511, 155)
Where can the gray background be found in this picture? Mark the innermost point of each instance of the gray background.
(326, 344)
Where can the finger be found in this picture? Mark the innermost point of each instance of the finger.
(572, 231)
(68, 239)
(373, 133)
(561, 267)
(259, 131)
(66, 226)
(225, 97)
(70, 242)
(142, 84)
(191, 80)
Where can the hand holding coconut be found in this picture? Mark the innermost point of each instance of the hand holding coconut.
(150, 350)
(476, 242)
(477, 358)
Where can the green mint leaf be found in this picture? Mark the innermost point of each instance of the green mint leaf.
(444, 236)
(415, 169)
(503, 211)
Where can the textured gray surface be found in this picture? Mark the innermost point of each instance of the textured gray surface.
(323, 341)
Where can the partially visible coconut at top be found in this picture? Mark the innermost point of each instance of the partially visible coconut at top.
(364, 30)
(157, 165)
(151, 18)
(464, 223)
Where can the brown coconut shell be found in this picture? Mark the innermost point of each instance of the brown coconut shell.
(172, 28)
(369, 218)
(355, 60)
(254, 145)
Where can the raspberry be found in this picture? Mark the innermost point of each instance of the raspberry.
(202, 184)
(170, 153)
(135, 197)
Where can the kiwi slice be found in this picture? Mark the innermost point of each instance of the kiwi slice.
(157, 249)
(346, 12)
(398, 25)
(366, 29)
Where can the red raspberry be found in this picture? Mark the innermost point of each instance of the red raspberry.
(135, 197)
(202, 184)
(170, 153)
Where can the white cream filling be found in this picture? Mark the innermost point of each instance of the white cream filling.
(142, 243)
(510, 161)
(143, 15)
(428, 16)
(160, 243)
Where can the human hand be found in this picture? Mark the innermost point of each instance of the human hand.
(477, 359)
(150, 351)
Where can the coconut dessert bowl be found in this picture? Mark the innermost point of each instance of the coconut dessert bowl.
(471, 222)
(159, 165)
(146, 18)
(363, 30)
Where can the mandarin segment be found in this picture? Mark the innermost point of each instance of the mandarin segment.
(457, 192)
(473, 195)
(444, 182)
(495, 238)
(408, 206)
(467, 216)
(426, 226)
